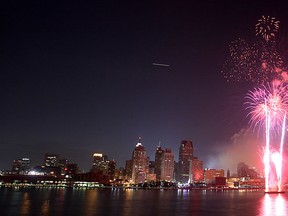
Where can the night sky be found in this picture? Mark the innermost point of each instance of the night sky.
(78, 77)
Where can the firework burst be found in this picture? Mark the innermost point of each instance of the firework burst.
(272, 100)
(268, 107)
(260, 61)
(267, 27)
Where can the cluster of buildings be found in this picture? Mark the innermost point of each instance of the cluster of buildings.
(138, 170)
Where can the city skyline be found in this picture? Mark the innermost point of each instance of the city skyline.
(99, 161)
(79, 78)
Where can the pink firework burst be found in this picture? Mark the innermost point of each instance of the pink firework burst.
(270, 100)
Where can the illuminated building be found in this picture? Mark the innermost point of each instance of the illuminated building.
(211, 174)
(164, 164)
(197, 170)
(21, 166)
(100, 163)
(51, 160)
(167, 168)
(140, 164)
(185, 158)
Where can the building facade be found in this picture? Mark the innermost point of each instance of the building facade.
(197, 171)
(185, 159)
(158, 162)
(100, 163)
(21, 166)
(51, 160)
(167, 168)
(140, 164)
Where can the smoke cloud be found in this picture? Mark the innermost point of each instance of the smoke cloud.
(244, 146)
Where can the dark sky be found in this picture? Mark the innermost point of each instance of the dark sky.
(77, 77)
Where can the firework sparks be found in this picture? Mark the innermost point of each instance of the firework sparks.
(267, 27)
(260, 61)
(270, 100)
(268, 107)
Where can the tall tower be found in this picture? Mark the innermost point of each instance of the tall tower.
(158, 162)
(185, 159)
(140, 164)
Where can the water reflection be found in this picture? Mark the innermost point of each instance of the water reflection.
(273, 204)
(26, 203)
(128, 202)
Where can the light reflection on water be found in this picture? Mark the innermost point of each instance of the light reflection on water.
(128, 202)
(274, 204)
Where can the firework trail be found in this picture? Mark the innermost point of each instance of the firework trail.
(268, 107)
(262, 61)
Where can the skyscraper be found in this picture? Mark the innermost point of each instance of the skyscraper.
(185, 159)
(140, 163)
(158, 162)
(100, 163)
(167, 168)
(164, 164)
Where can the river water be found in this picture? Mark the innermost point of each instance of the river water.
(89, 202)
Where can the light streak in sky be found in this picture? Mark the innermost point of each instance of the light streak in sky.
(160, 64)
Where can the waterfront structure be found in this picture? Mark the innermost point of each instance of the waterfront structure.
(197, 170)
(51, 160)
(140, 164)
(21, 166)
(71, 170)
(185, 159)
(210, 175)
